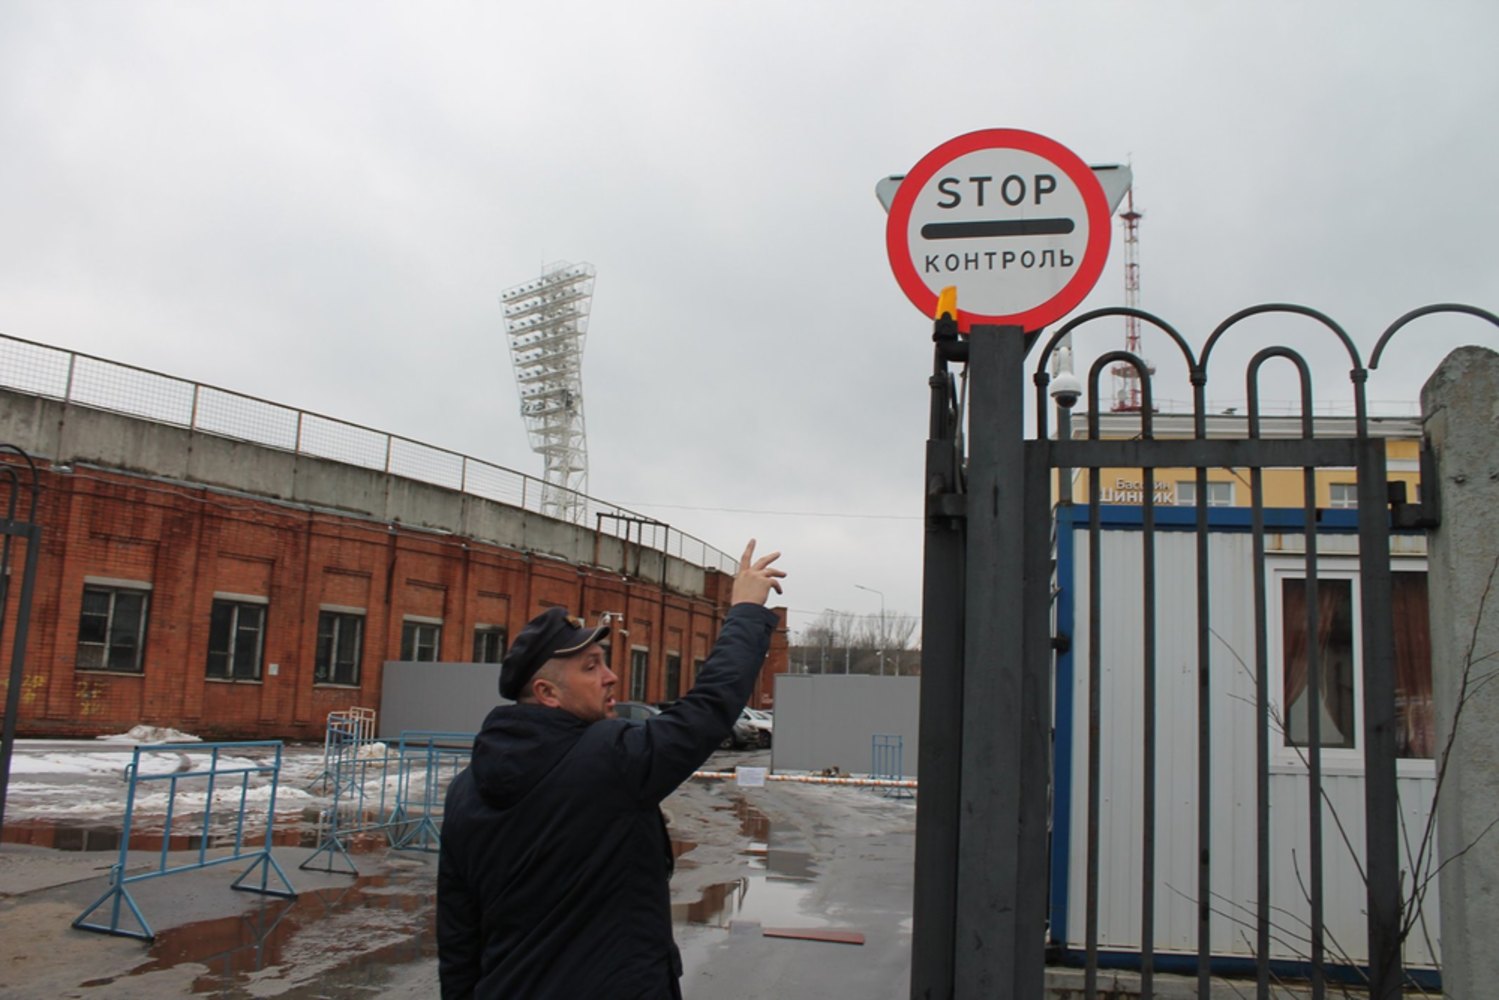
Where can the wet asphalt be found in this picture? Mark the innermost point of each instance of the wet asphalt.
(790, 858)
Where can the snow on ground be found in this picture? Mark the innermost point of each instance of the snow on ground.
(152, 734)
(79, 781)
(69, 762)
(73, 781)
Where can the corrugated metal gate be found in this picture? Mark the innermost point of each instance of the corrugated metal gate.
(982, 894)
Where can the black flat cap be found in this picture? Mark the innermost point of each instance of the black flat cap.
(552, 633)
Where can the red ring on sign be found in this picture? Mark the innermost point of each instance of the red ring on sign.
(1089, 267)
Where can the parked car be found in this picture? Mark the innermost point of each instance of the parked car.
(753, 729)
(637, 710)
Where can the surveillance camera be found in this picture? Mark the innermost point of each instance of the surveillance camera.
(1066, 389)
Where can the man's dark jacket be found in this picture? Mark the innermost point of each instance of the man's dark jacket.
(552, 881)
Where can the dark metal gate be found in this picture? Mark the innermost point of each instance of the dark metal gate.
(986, 857)
(18, 490)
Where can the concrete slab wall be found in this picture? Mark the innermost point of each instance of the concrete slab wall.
(1462, 419)
(829, 720)
(59, 432)
(437, 697)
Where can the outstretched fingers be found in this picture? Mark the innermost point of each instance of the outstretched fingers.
(765, 561)
(756, 577)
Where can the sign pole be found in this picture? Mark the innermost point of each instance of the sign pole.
(937, 819)
(999, 233)
(1002, 953)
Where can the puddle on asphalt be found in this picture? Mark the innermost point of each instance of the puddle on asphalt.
(760, 897)
(776, 882)
(233, 948)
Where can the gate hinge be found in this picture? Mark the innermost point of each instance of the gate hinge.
(954, 505)
(1428, 513)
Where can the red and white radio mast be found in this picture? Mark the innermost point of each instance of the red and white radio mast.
(1127, 397)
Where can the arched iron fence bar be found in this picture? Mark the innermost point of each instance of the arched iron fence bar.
(1358, 376)
(1095, 681)
(1415, 314)
(11, 477)
(1204, 655)
(1262, 673)
(1252, 387)
(1042, 378)
(32, 488)
(1147, 404)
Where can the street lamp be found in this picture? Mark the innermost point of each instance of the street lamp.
(860, 586)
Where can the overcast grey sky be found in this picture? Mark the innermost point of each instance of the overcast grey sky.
(320, 203)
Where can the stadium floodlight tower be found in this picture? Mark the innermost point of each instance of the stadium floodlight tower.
(546, 320)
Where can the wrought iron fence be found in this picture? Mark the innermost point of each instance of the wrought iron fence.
(1233, 739)
(86, 380)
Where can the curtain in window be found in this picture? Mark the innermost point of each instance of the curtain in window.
(1331, 594)
(1415, 734)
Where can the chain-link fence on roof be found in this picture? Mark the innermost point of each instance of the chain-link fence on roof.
(85, 380)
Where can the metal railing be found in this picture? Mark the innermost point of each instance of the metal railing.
(395, 791)
(191, 786)
(427, 762)
(86, 380)
(887, 762)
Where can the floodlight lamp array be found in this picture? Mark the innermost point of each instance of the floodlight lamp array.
(546, 320)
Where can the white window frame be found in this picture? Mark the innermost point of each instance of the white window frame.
(640, 679)
(1186, 493)
(1286, 758)
(666, 692)
(239, 602)
(420, 624)
(340, 615)
(482, 634)
(1346, 502)
(114, 588)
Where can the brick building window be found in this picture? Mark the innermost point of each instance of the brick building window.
(1344, 495)
(340, 641)
(673, 677)
(236, 638)
(420, 640)
(489, 644)
(112, 629)
(638, 659)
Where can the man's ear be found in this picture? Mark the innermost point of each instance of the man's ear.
(544, 691)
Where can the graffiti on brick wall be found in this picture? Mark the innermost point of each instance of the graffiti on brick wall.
(91, 697)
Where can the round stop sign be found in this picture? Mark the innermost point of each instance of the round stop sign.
(1013, 219)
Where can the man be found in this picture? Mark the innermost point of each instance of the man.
(552, 881)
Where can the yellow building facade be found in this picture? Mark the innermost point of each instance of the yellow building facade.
(1334, 488)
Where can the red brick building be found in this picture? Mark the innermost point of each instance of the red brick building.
(237, 610)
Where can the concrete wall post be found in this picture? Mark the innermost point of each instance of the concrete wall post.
(1460, 404)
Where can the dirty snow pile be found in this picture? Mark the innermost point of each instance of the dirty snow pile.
(152, 734)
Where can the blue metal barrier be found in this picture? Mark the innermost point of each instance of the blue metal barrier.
(886, 763)
(420, 765)
(435, 759)
(352, 759)
(118, 894)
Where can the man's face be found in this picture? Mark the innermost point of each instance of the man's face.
(584, 685)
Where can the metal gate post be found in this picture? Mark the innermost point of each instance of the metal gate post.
(14, 527)
(1381, 803)
(941, 709)
(1002, 951)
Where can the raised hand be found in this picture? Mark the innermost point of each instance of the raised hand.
(756, 577)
